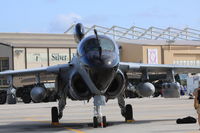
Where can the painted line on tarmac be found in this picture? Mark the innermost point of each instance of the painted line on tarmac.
(74, 130)
(68, 128)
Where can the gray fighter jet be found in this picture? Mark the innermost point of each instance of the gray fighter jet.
(94, 72)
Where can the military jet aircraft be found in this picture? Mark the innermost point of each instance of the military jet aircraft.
(94, 72)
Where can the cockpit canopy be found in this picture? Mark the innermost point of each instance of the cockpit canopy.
(92, 44)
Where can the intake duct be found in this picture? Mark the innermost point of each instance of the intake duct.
(78, 90)
(117, 86)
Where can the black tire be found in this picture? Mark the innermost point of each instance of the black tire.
(11, 99)
(95, 122)
(3, 98)
(129, 113)
(54, 115)
(104, 121)
(26, 99)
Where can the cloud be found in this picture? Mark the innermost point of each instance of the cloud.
(95, 20)
(63, 21)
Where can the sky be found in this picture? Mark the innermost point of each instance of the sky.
(56, 16)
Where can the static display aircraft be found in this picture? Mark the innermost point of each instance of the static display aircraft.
(94, 72)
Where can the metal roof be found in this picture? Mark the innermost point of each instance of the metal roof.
(37, 40)
(138, 33)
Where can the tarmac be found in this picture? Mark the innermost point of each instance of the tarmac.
(151, 115)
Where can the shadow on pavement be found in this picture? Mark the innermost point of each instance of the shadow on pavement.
(47, 127)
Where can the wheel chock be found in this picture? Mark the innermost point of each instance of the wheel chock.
(130, 121)
(55, 123)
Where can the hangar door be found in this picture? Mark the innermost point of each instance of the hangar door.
(4, 65)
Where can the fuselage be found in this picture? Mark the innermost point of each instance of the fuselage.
(100, 58)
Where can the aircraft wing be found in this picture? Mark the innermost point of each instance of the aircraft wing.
(139, 67)
(48, 70)
(27, 76)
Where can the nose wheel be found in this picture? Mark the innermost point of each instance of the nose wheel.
(99, 122)
(104, 121)
(98, 119)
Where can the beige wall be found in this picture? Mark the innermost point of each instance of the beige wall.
(138, 53)
(36, 57)
(181, 54)
(19, 58)
(167, 54)
(131, 53)
(41, 57)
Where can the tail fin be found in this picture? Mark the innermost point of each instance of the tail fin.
(79, 32)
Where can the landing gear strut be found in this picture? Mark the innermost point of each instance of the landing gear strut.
(11, 91)
(98, 119)
(57, 113)
(126, 111)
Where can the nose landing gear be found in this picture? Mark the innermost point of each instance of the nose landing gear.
(57, 113)
(98, 119)
(99, 122)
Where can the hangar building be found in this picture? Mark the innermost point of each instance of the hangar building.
(153, 46)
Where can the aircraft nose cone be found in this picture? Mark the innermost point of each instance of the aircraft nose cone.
(101, 66)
